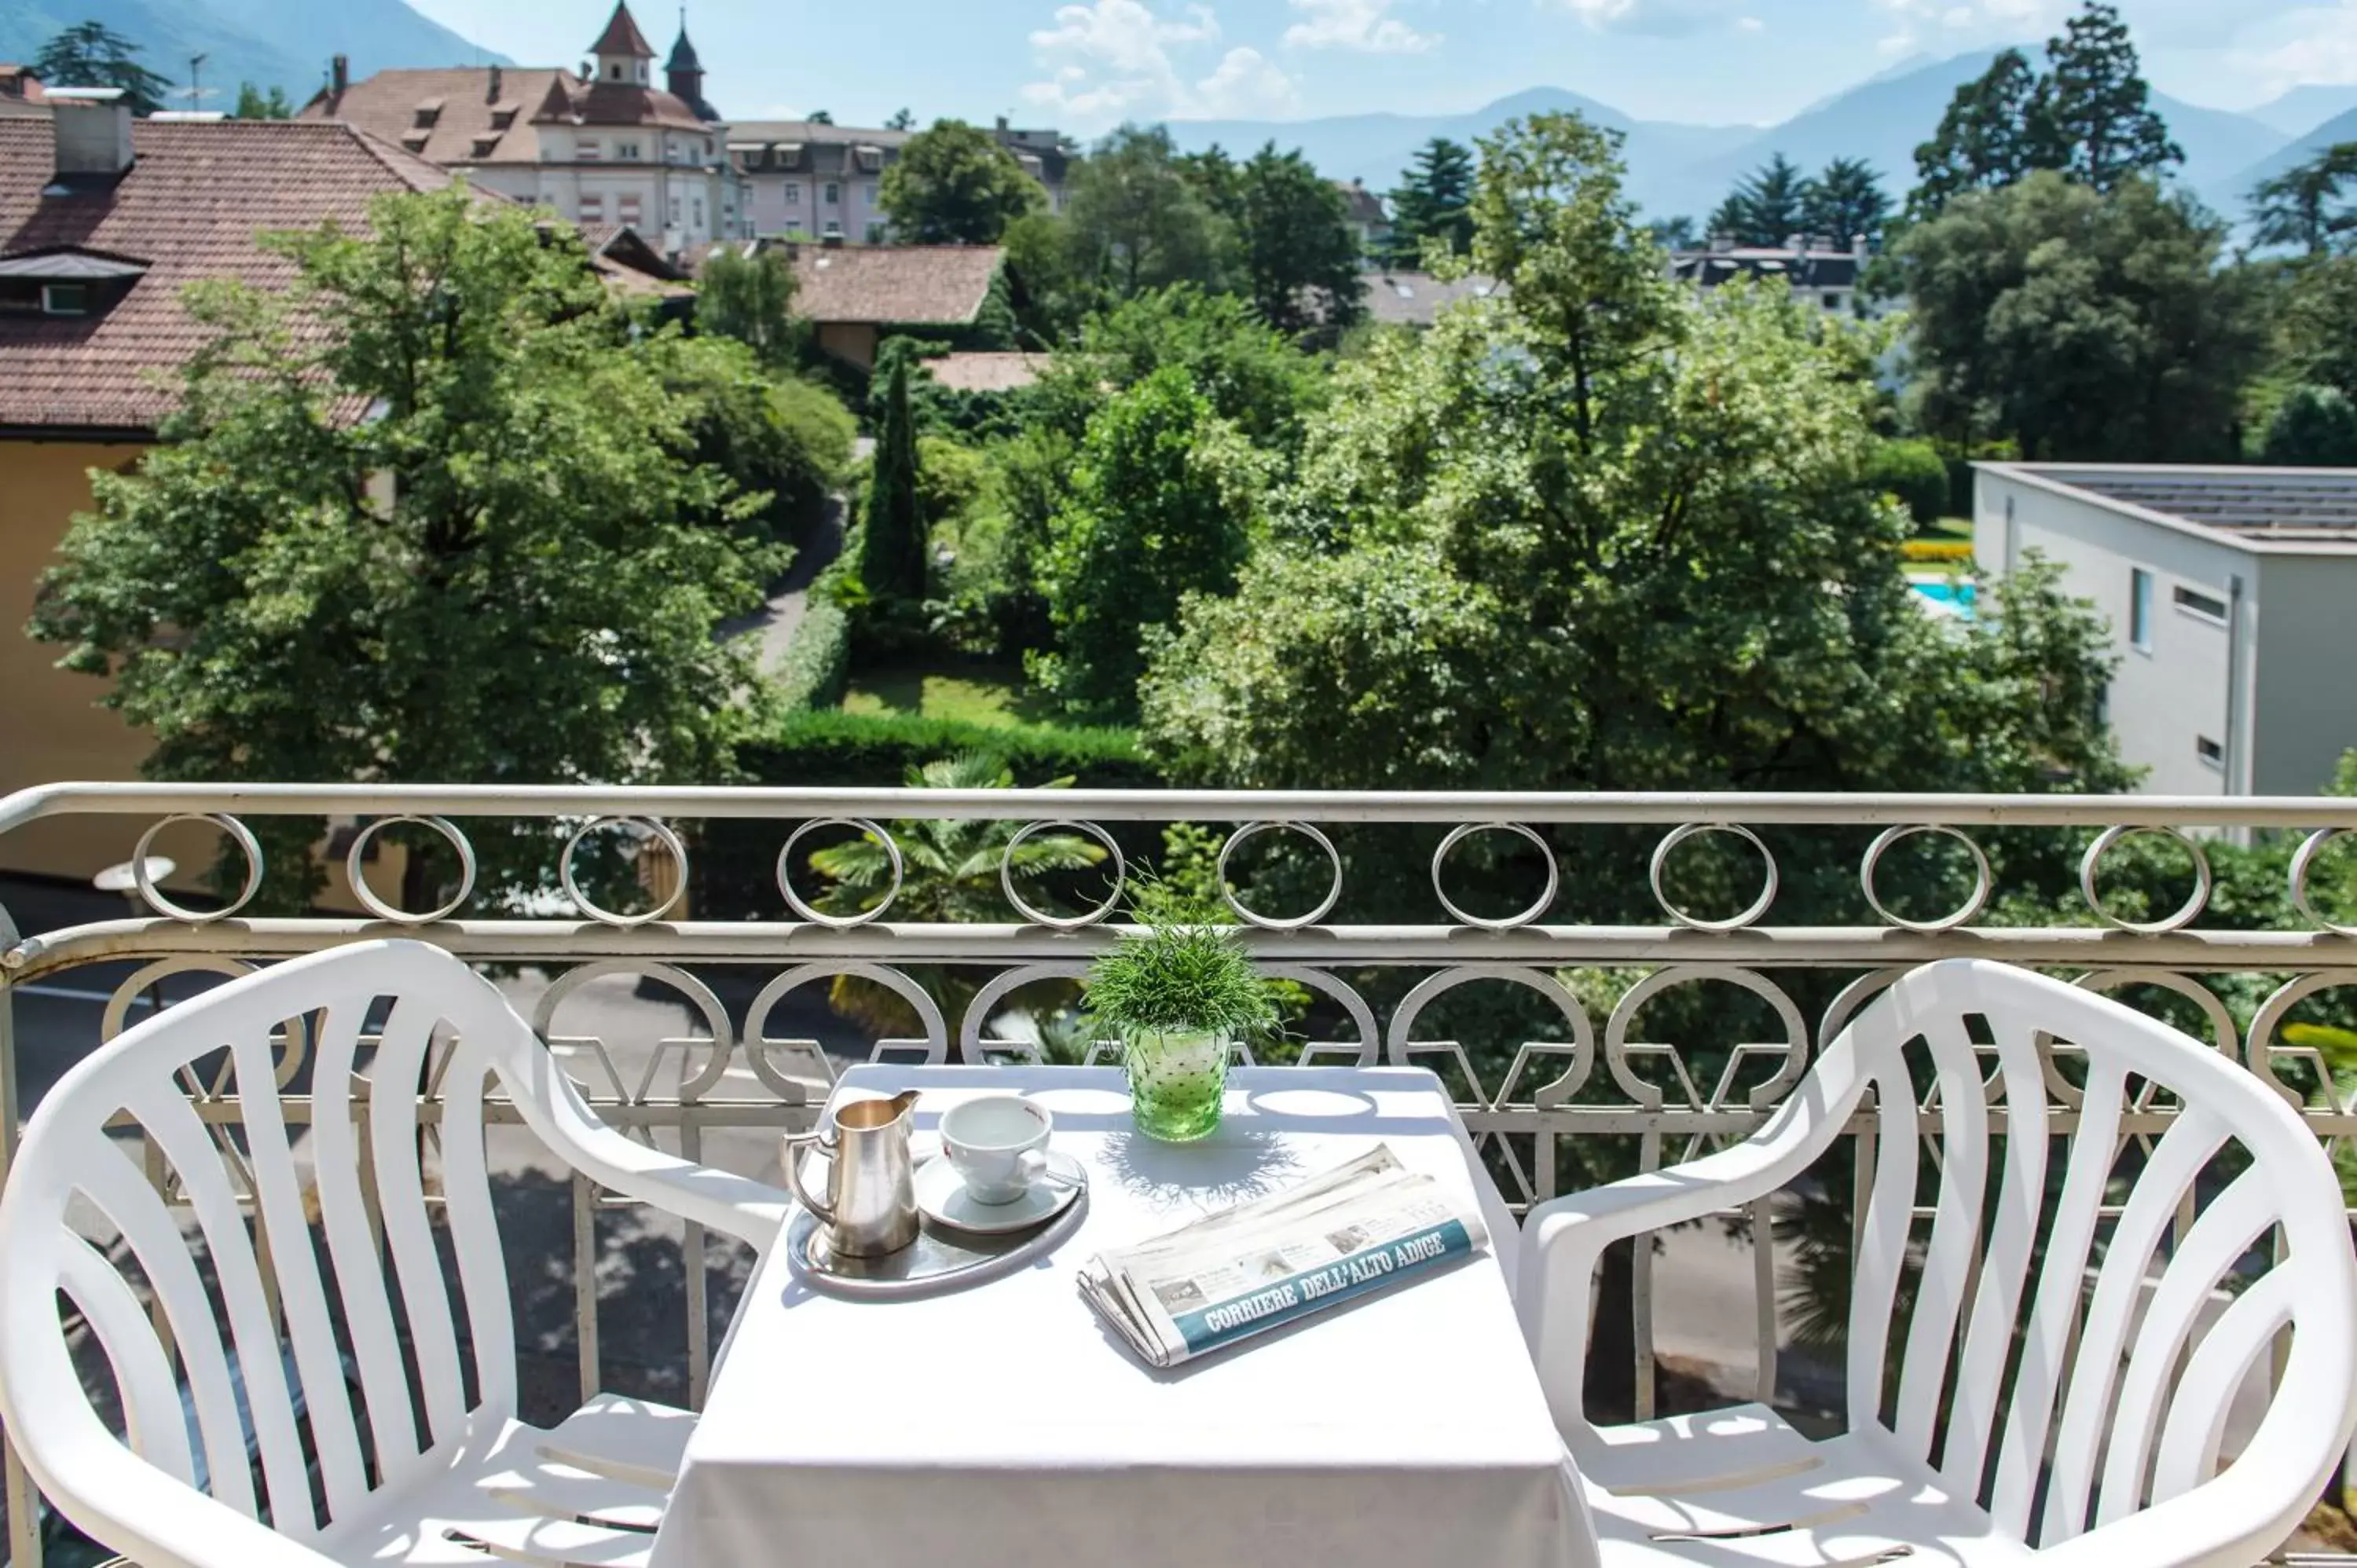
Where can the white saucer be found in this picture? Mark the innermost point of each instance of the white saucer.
(941, 1196)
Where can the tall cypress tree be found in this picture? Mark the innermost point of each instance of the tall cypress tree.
(892, 553)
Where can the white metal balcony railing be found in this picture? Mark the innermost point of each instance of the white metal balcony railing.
(1597, 1083)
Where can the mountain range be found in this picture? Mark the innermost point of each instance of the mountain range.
(1677, 169)
(272, 43)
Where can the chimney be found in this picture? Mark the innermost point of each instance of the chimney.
(340, 75)
(1721, 243)
(1002, 124)
(1859, 248)
(1796, 243)
(492, 90)
(92, 129)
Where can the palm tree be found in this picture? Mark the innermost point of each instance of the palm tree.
(950, 876)
(2295, 207)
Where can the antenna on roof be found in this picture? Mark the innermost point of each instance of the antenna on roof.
(196, 91)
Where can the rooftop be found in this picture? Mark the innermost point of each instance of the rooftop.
(2306, 510)
(916, 285)
(1417, 299)
(460, 115)
(986, 372)
(187, 209)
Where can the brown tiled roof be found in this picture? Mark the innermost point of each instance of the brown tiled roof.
(986, 372)
(622, 36)
(1362, 205)
(188, 208)
(461, 107)
(445, 114)
(17, 82)
(913, 285)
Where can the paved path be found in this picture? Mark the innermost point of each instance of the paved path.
(776, 620)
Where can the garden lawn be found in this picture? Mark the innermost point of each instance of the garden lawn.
(978, 694)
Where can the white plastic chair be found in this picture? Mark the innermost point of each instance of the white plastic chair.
(454, 1479)
(2095, 1455)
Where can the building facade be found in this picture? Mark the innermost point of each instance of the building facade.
(2228, 594)
(603, 145)
(1816, 268)
(806, 179)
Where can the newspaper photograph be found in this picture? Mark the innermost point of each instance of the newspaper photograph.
(1357, 1228)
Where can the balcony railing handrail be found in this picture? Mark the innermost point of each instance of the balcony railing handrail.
(1615, 808)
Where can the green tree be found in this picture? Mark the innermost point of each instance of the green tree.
(1766, 208)
(1435, 206)
(1914, 473)
(1845, 202)
(2080, 326)
(1135, 221)
(954, 184)
(1300, 260)
(2095, 109)
(751, 299)
(1252, 374)
(1162, 506)
(1678, 233)
(495, 577)
(2314, 427)
(782, 439)
(2301, 207)
(820, 117)
(1986, 140)
(893, 548)
(901, 120)
(252, 103)
(2317, 332)
(91, 54)
(1637, 550)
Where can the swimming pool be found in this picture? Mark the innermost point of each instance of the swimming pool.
(1942, 593)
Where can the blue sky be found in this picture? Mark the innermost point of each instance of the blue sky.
(1085, 65)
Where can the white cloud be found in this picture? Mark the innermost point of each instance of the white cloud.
(1364, 26)
(1246, 83)
(1749, 24)
(1665, 18)
(1113, 60)
(2316, 44)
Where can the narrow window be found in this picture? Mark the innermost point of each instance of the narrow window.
(2208, 751)
(2140, 609)
(2200, 604)
(65, 299)
(833, 195)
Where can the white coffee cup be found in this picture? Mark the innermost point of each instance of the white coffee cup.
(997, 1144)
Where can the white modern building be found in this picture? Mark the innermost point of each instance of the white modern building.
(2232, 594)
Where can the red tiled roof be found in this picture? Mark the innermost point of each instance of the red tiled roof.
(18, 81)
(622, 36)
(190, 208)
(914, 286)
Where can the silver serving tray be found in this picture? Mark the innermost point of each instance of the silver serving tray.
(942, 1258)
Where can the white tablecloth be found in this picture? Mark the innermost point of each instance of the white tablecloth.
(1001, 1425)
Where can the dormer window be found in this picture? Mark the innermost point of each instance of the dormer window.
(65, 299)
(65, 282)
(428, 112)
(503, 116)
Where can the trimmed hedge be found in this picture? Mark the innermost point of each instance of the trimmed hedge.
(829, 747)
(1915, 473)
(816, 665)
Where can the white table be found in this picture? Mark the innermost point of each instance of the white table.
(1002, 1426)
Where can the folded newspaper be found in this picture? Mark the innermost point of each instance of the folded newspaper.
(1357, 1228)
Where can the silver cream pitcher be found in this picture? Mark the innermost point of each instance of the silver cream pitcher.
(870, 1208)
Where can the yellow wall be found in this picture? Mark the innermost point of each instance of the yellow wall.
(51, 729)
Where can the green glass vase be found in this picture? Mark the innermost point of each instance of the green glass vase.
(1177, 1080)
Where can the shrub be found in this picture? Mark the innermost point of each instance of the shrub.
(1916, 474)
(1936, 549)
(817, 660)
(829, 747)
(2316, 427)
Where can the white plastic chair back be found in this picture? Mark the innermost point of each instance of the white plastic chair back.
(2062, 1409)
(369, 1016)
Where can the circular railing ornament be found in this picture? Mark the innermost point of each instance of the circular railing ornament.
(1269, 922)
(1982, 883)
(236, 831)
(1545, 899)
(1678, 835)
(819, 917)
(2186, 914)
(356, 874)
(1062, 922)
(2304, 862)
(649, 828)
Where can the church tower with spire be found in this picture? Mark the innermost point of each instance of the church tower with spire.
(621, 52)
(683, 74)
